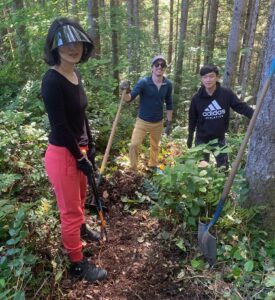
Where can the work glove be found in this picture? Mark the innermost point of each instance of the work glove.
(85, 166)
(168, 128)
(91, 154)
(189, 140)
(125, 85)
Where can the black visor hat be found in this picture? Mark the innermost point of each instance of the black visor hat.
(69, 34)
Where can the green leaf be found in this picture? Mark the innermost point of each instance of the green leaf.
(249, 266)
(191, 221)
(203, 189)
(19, 295)
(195, 210)
(236, 272)
(2, 282)
(270, 281)
(197, 264)
(180, 244)
(203, 173)
(58, 276)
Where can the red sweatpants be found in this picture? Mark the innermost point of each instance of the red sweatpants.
(70, 187)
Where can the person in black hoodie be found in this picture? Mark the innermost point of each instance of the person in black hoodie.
(210, 110)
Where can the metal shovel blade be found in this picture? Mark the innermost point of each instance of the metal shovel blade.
(207, 243)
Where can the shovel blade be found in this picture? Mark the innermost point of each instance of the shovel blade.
(207, 243)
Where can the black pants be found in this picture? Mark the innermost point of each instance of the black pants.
(222, 158)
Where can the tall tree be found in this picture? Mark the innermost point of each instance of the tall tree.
(260, 168)
(211, 30)
(251, 34)
(156, 36)
(171, 33)
(234, 42)
(20, 29)
(115, 55)
(180, 53)
(199, 40)
(74, 9)
(93, 18)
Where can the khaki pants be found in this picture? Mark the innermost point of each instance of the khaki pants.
(138, 135)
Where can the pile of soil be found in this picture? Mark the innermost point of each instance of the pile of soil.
(139, 264)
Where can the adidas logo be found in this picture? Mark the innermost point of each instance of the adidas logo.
(213, 111)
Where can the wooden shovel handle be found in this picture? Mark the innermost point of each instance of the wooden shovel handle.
(107, 151)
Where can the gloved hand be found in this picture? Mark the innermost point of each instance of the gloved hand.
(85, 166)
(189, 140)
(91, 154)
(125, 85)
(168, 128)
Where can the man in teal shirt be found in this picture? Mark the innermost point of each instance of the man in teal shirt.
(154, 91)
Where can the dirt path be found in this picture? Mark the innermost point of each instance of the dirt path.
(139, 264)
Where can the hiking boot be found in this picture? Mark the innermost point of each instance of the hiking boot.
(89, 272)
(88, 234)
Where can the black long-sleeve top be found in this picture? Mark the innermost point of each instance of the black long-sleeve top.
(65, 104)
(209, 115)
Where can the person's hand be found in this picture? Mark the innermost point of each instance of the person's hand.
(91, 153)
(125, 85)
(168, 128)
(189, 141)
(85, 166)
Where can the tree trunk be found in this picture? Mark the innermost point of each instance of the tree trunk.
(176, 33)
(9, 34)
(115, 56)
(234, 40)
(260, 168)
(206, 31)
(210, 38)
(21, 42)
(178, 71)
(245, 37)
(74, 9)
(156, 36)
(247, 57)
(93, 19)
(171, 33)
(198, 58)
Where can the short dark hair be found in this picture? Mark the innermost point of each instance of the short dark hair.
(209, 69)
(52, 57)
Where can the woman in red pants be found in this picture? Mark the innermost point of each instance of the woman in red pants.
(67, 44)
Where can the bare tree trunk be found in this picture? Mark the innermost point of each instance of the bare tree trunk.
(245, 37)
(247, 57)
(156, 36)
(115, 57)
(206, 31)
(171, 33)
(234, 42)
(260, 168)
(74, 9)
(178, 71)
(176, 35)
(9, 34)
(198, 58)
(21, 42)
(211, 31)
(93, 19)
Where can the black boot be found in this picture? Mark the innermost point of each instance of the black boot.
(88, 234)
(86, 271)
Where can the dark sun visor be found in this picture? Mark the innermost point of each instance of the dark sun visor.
(69, 34)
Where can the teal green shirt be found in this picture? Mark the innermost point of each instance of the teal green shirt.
(151, 99)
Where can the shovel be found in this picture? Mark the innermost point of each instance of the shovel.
(207, 242)
(110, 141)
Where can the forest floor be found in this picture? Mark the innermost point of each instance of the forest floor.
(140, 264)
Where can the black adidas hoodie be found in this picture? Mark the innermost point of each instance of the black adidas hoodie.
(209, 115)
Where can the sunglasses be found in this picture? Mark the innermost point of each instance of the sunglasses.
(162, 65)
